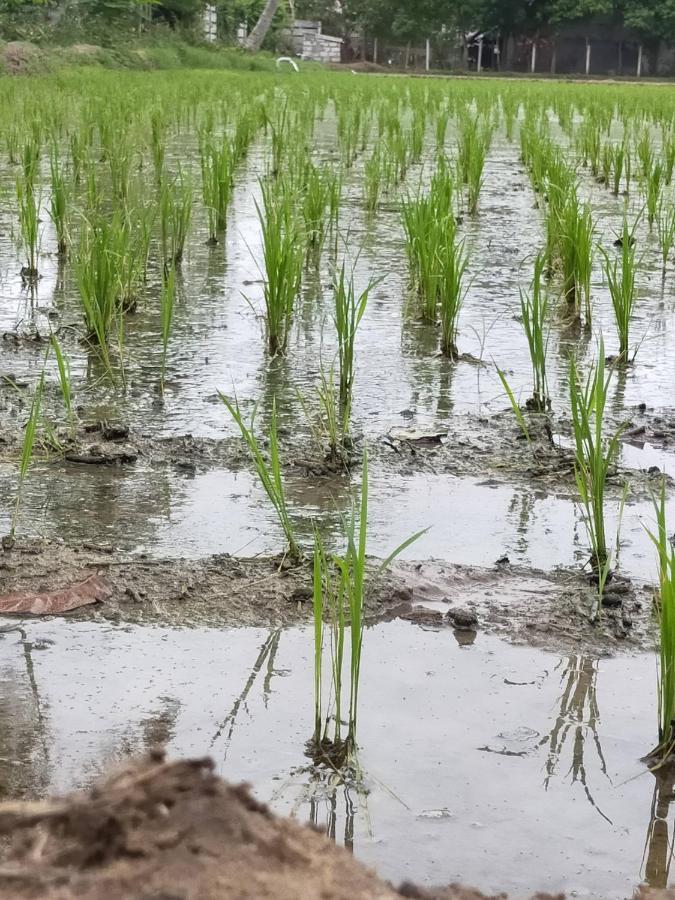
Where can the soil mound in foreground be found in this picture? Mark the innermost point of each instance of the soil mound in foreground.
(162, 830)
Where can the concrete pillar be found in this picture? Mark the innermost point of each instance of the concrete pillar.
(427, 61)
(554, 58)
(479, 65)
(639, 63)
(588, 57)
(375, 50)
(533, 63)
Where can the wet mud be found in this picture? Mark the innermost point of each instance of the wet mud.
(556, 610)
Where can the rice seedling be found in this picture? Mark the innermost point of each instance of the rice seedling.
(167, 300)
(374, 182)
(217, 184)
(58, 203)
(473, 145)
(576, 237)
(269, 473)
(654, 184)
(452, 287)
(534, 311)
(27, 447)
(621, 281)
(329, 428)
(283, 256)
(96, 271)
(666, 616)
(158, 143)
(594, 455)
(515, 406)
(665, 226)
(339, 594)
(175, 215)
(318, 185)
(65, 384)
(619, 159)
(349, 310)
(29, 225)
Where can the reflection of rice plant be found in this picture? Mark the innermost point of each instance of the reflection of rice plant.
(594, 456)
(579, 717)
(269, 473)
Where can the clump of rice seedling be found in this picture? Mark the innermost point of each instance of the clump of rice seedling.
(618, 161)
(339, 594)
(374, 179)
(515, 406)
(534, 310)
(29, 208)
(283, 256)
(58, 203)
(175, 214)
(666, 616)
(98, 278)
(329, 428)
(430, 225)
(217, 184)
(621, 282)
(454, 262)
(593, 457)
(576, 253)
(474, 142)
(349, 310)
(168, 298)
(269, 473)
(318, 187)
(654, 182)
(665, 225)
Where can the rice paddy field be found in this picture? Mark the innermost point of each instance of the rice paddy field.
(337, 434)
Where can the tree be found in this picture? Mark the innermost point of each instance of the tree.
(255, 39)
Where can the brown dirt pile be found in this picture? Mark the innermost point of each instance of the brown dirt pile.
(175, 831)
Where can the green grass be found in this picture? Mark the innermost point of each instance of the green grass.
(350, 308)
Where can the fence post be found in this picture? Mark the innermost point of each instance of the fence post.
(375, 49)
(639, 63)
(588, 57)
(479, 65)
(427, 61)
(533, 65)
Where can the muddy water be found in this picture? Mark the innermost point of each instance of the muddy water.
(501, 766)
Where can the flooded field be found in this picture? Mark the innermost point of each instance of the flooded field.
(506, 662)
